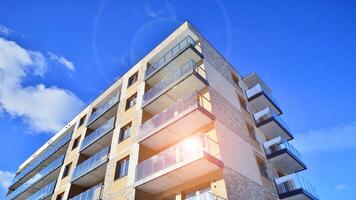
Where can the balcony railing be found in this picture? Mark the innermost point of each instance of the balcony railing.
(102, 109)
(190, 66)
(266, 114)
(44, 192)
(285, 145)
(194, 100)
(170, 55)
(98, 133)
(295, 182)
(54, 147)
(259, 89)
(185, 151)
(36, 178)
(93, 193)
(90, 164)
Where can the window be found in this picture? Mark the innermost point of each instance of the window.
(122, 168)
(60, 196)
(125, 132)
(75, 143)
(243, 103)
(81, 121)
(236, 80)
(131, 101)
(66, 170)
(132, 79)
(251, 131)
(262, 167)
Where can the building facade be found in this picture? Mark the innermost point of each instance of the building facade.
(180, 124)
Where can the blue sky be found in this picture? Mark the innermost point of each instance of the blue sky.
(57, 56)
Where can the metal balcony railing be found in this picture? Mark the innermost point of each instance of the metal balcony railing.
(36, 178)
(42, 157)
(170, 55)
(258, 89)
(90, 164)
(93, 193)
(187, 150)
(284, 145)
(190, 66)
(294, 182)
(44, 192)
(268, 113)
(98, 133)
(194, 100)
(102, 109)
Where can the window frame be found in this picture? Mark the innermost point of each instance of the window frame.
(81, 121)
(125, 162)
(66, 170)
(129, 104)
(125, 131)
(76, 143)
(132, 79)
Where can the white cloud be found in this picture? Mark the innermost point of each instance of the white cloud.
(337, 138)
(5, 30)
(160, 8)
(342, 187)
(44, 109)
(61, 60)
(5, 179)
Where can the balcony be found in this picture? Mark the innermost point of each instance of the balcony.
(53, 151)
(284, 156)
(192, 158)
(259, 98)
(295, 187)
(92, 170)
(185, 80)
(98, 139)
(271, 124)
(39, 180)
(44, 192)
(176, 122)
(104, 112)
(93, 193)
(179, 54)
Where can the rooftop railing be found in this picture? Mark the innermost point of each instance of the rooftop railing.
(191, 101)
(44, 192)
(190, 66)
(102, 109)
(93, 193)
(36, 178)
(257, 89)
(98, 133)
(90, 164)
(268, 113)
(187, 150)
(42, 157)
(170, 55)
(294, 182)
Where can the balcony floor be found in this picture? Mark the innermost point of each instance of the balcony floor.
(179, 174)
(272, 129)
(260, 101)
(286, 162)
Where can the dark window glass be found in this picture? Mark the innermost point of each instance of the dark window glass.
(125, 132)
(132, 79)
(122, 168)
(66, 170)
(60, 196)
(81, 121)
(75, 143)
(131, 101)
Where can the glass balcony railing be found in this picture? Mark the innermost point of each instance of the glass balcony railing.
(185, 151)
(190, 66)
(285, 145)
(102, 109)
(93, 193)
(54, 147)
(98, 133)
(44, 192)
(90, 164)
(294, 182)
(258, 89)
(266, 114)
(170, 55)
(194, 100)
(36, 178)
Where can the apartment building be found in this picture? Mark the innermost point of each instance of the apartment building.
(180, 124)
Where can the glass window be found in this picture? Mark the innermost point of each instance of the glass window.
(122, 168)
(81, 121)
(66, 170)
(132, 79)
(75, 143)
(125, 132)
(131, 101)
